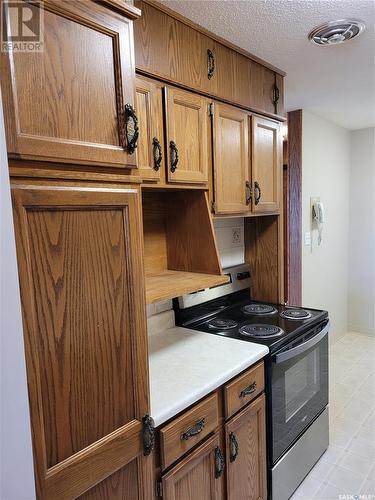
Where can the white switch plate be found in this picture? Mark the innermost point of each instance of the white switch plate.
(308, 238)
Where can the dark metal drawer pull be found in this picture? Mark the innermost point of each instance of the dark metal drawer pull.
(257, 192)
(233, 446)
(248, 191)
(193, 431)
(156, 153)
(131, 128)
(248, 390)
(148, 434)
(211, 64)
(173, 156)
(219, 462)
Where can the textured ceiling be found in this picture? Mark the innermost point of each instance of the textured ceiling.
(336, 82)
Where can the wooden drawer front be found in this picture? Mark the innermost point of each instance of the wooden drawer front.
(186, 431)
(243, 389)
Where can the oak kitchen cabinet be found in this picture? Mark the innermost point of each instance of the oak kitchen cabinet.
(79, 249)
(214, 445)
(183, 118)
(176, 50)
(73, 102)
(245, 437)
(247, 162)
(187, 126)
(149, 106)
(199, 475)
(231, 159)
(266, 164)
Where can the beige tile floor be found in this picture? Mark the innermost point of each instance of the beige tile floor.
(346, 471)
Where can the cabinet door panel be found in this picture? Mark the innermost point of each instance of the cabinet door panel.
(187, 127)
(149, 108)
(245, 438)
(81, 276)
(262, 82)
(231, 159)
(66, 103)
(194, 477)
(266, 165)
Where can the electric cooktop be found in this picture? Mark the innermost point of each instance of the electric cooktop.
(238, 317)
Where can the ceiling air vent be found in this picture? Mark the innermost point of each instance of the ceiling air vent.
(336, 32)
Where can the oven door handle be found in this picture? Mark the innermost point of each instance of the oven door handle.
(299, 349)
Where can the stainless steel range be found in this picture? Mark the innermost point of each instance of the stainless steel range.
(296, 370)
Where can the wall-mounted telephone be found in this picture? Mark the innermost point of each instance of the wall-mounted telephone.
(318, 218)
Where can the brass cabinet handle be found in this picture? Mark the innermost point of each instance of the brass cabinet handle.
(174, 156)
(248, 192)
(219, 462)
(233, 446)
(156, 153)
(257, 192)
(195, 430)
(211, 64)
(131, 128)
(248, 390)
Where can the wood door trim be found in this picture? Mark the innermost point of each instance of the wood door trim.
(82, 471)
(293, 210)
(210, 34)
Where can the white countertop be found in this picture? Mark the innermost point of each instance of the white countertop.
(186, 365)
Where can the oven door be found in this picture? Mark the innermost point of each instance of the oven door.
(299, 386)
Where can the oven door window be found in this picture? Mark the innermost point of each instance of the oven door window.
(299, 394)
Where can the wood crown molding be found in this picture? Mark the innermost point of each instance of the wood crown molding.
(121, 6)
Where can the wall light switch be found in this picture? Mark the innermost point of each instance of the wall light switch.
(308, 238)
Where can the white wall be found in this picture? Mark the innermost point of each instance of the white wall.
(16, 466)
(326, 173)
(230, 240)
(361, 297)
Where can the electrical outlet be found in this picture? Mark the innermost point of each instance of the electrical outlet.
(236, 236)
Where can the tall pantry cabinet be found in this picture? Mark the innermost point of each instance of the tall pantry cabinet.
(69, 116)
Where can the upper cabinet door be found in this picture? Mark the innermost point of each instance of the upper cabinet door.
(72, 101)
(266, 165)
(187, 137)
(80, 266)
(245, 436)
(149, 106)
(231, 160)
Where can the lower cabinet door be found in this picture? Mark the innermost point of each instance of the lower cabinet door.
(246, 453)
(199, 476)
(80, 268)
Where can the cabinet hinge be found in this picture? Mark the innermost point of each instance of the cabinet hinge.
(213, 206)
(148, 434)
(159, 489)
(211, 109)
